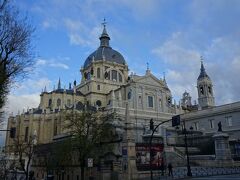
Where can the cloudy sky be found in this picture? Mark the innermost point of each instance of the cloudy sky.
(170, 35)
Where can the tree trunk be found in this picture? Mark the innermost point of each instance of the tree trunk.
(82, 172)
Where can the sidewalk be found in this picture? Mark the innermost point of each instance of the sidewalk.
(197, 172)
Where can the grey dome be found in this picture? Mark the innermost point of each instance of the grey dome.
(105, 53)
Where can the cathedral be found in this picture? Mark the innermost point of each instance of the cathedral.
(107, 85)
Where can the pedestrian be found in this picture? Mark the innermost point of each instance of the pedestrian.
(170, 167)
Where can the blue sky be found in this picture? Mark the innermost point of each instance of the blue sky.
(170, 35)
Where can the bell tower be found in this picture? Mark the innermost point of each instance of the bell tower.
(205, 89)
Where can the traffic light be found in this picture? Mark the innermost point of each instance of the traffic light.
(12, 132)
(175, 120)
(151, 124)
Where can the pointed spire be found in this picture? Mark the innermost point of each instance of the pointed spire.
(45, 89)
(59, 84)
(148, 70)
(104, 38)
(203, 73)
(70, 86)
(164, 78)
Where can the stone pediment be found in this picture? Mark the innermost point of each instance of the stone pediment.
(149, 80)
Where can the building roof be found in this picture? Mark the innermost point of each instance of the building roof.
(203, 73)
(104, 52)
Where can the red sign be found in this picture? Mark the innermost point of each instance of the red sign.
(143, 156)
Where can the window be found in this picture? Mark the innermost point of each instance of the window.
(140, 99)
(55, 130)
(209, 89)
(169, 100)
(211, 123)
(58, 102)
(201, 90)
(98, 73)
(98, 87)
(228, 120)
(130, 94)
(106, 75)
(150, 101)
(120, 77)
(160, 102)
(49, 102)
(196, 126)
(26, 134)
(68, 102)
(114, 75)
(88, 76)
(98, 103)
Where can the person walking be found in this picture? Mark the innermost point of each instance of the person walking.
(170, 168)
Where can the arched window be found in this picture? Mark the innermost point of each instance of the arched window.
(130, 94)
(209, 89)
(49, 102)
(98, 73)
(58, 102)
(201, 90)
(68, 102)
(79, 105)
(88, 76)
(114, 75)
(120, 77)
(98, 103)
(106, 75)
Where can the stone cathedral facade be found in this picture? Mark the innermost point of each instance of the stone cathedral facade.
(106, 84)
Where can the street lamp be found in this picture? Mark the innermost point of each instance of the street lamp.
(189, 172)
(150, 143)
(175, 122)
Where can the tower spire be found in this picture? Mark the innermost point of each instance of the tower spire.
(59, 83)
(148, 70)
(104, 38)
(205, 89)
(202, 70)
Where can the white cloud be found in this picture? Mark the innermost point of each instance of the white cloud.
(183, 65)
(18, 103)
(59, 65)
(222, 63)
(53, 62)
(174, 52)
(41, 62)
(31, 86)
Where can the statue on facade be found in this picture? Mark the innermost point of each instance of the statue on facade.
(219, 126)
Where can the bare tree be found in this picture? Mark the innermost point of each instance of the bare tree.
(23, 148)
(88, 130)
(16, 57)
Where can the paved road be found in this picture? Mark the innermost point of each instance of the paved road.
(220, 177)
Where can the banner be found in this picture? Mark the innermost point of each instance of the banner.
(143, 156)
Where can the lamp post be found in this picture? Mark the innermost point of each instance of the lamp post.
(175, 122)
(150, 143)
(189, 172)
